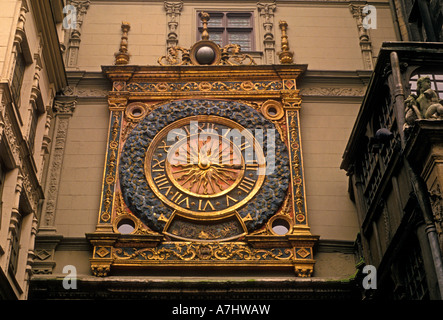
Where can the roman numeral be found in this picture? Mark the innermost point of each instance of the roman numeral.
(168, 189)
(205, 206)
(176, 198)
(251, 164)
(227, 132)
(161, 180)
(230, 198)
(246, 185)
(165, 147)
(158, 163)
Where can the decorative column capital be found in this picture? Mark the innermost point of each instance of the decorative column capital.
(82, 7)
(173, 8)
(64, 105)
(266, 9)
(356, 8)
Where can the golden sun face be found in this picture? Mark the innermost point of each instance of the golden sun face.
(205, 166)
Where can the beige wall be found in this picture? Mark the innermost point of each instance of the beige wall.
(322, 35)
(325, 127)
(82, 172)
(8, 16)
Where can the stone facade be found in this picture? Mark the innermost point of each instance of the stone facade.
(32, 73)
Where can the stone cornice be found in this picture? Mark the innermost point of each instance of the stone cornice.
(51, 51)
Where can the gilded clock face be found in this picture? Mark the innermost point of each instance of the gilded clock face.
(205, 166)
(199, 169)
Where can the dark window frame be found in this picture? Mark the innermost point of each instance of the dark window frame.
(436, 78)
(226, 30)
(18, 76)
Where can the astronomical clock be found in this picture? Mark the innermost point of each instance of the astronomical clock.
(204, 165)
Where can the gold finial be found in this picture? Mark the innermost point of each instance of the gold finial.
(285, 55)
(204, 17)
(122, 56)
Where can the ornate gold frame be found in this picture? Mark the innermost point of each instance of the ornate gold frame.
(260, 87)
(218, 214)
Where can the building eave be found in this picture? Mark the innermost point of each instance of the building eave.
(45, 19)
(411, 53)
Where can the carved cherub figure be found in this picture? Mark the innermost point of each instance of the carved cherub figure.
(423, 105)
(412, 112)
(428, 100)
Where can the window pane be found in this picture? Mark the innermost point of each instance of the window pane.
(17, 79)
(241, 38)
(215, 20)
(239, 20)
(217, 37)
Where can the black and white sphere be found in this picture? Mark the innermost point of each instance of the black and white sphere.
(205, 55)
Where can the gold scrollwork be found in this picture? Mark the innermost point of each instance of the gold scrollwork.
(188, 251)
(100, 270)
(111, 169)
(176, 56)
(206, 86)
(296, 166)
